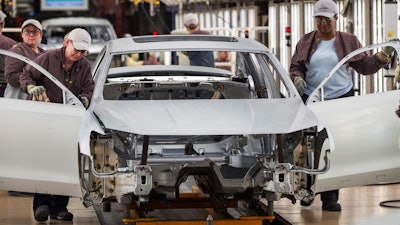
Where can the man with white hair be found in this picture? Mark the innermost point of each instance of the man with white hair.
(73, 70)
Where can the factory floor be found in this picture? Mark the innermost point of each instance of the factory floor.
(360, 205)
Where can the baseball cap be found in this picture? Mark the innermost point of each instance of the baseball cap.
(80, 39)
(190, 20)
(2, 16)
(32, 22)
(326, 8)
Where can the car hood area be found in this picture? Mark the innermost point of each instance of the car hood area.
(205, 117)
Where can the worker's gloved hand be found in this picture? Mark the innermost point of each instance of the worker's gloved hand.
(397, 74)
(34, 90)
(385, 54)
(300, 84)
(85, 101)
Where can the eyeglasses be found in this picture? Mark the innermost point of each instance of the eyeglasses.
(76, 50)
(324, 19)
(81, 51)
(29, 32)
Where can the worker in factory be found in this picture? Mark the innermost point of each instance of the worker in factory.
(317, 53)
(69, 65)
(31, 33)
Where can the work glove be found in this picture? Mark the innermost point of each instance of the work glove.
(85, 101)
(41, 98)
(385, 54)
(397, 74)
(300, 84)
(34, 90)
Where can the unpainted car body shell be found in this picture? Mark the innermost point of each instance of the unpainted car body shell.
(40, 140)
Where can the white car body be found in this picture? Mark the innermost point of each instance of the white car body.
(40, 140)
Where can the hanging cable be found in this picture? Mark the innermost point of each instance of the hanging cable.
(149, 18)
(391, 203)
(388, 203)
(223, 20)
(219, 17)
(163, 23)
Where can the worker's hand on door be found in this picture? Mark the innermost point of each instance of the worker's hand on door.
(388, 50)
(300, 84)
(385, 54)
(84, 101)
(35, 90)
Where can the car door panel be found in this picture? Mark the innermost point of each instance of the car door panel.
(365, 133)
(39, 147)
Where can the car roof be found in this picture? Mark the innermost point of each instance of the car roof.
(74, 21)
(184, 42)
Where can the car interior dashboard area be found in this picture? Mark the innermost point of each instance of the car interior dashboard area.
(171, 89)
(183, 81)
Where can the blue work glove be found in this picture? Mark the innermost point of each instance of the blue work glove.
(300, 84)
(85, 101)
(34, 90)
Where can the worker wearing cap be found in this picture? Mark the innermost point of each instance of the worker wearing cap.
(72, 69)
(68, 65)
(320, 51)
(31, 33)
(311, 63)
(197, 58)
(5, 43)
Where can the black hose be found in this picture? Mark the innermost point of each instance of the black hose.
(388, 203)
(163, 23)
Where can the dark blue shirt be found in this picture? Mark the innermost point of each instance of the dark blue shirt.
(202, 58)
